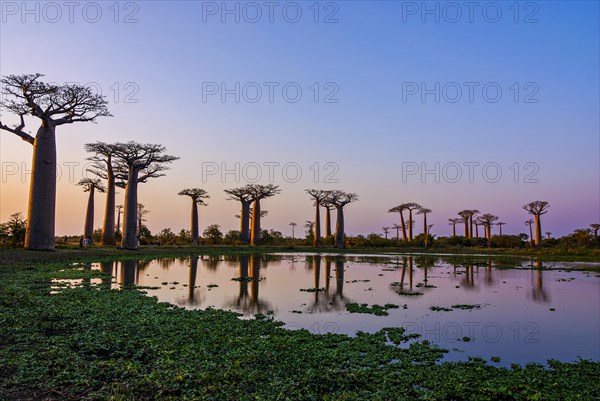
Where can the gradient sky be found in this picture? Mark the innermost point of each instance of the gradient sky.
(371, 56)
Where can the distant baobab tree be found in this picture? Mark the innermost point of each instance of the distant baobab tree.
(90, 185)
(548, 234)
(530, 223)
(476, 224)
(487, 220)
(429, 229)
(141, 212)
(500, 224)
(243, 196)
(386, 230)
(397, 227)
(424, 211)
(119, 211)
(328, 207)
(293, 226)
(54, 105)
(410, 207)
(318, 197)
(467, 218)
(136, 163)
(197, 195)
(453, 222)
(258, 193)
(595, 227)
(400, 209)
(537, 209)
(309, 225)
(339, 199)
(102, 158)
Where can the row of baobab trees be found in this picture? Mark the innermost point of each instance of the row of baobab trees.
(127, 164)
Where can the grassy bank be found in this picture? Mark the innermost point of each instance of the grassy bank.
(96, 343)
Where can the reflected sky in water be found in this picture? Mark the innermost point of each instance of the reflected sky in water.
(530, 314)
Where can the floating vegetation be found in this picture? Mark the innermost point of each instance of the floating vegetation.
(212, 285)
(423, 285)
(466, 306)
(440, 309)
(312, 289)
(358, 281)
(409, 293)
(243, 279)
(376, 310)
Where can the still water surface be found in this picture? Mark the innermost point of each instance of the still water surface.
(527, 311)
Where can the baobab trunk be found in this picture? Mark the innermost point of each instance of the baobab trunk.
(88, 228)
(471, 227)
(245, 223)
(194, 223)
(403, 226)
(454, 229)
(39, 234)
(255, 234)
(538, 230)
(327, 222)
(410, 226)
(488, 235)
(108, 228)
(530, 237)
(425, 229)
(118, 227)
(477, 231)
(130, 240)
(467, 228)
(317, 239)
(339, 228)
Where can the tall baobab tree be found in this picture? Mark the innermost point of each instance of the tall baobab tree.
(119, 211)
(318, 197)
(293, 226)
(467, 218)
(54, 105)
(328, 207)
(397, 227)
(474, 212)
(90, 185)
(400, 209)
(258, 193)
(339, 199)
(386, 230)
(243, 196)
(453, 222)
(530, 224)
(410, 207)
(537, 209)
(500, 224)
(197, 195)
(424, 211)
(102, 157)
(595, 227)
(487, 220)
(136, 163)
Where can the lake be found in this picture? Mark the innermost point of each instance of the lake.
(520, 311)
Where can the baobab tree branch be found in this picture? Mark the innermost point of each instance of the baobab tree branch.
(19, 131)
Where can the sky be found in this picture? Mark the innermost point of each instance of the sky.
(486, 106)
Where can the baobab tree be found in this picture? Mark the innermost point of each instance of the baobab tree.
(453, 222)
(530, 223)
(467, 218)
(119, 211)
(410, 207)
(309, 225)
(400, 209)
(258, 193)
(197, 195)
(293, 226)
(548, 234)
(487, 220)
(136, 163)
(243, 196)
(386, 230)
(595, 227)
(141, 212)
(328, 208)
(500, 224)
(54, 105)
(397, 227)
(339, 199)
(102, 157)
(90, 185)
(424, 211)
(537, 209)
(318, 197)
